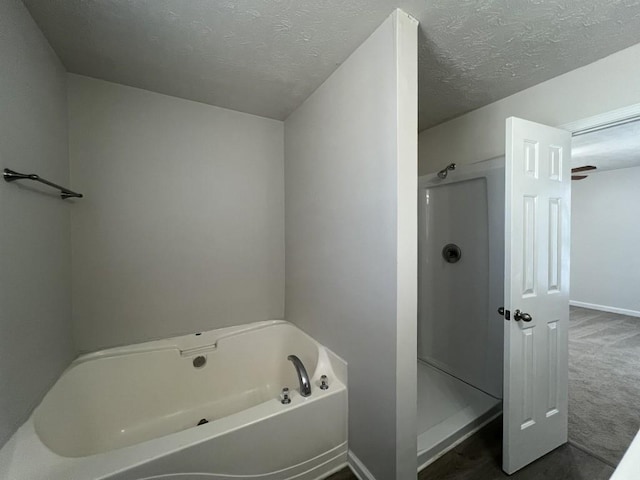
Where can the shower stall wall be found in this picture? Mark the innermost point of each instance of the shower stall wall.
(461, 284)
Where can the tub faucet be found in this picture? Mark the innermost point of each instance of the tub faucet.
(303, 377)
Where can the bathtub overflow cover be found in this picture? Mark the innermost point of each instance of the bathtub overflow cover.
(200, 361)
(451, 253)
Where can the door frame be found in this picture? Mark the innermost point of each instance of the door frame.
(604, 120)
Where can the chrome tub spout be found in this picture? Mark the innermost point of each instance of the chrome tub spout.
(303, 376)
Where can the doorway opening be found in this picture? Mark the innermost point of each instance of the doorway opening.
(456, 336)
(604, 333)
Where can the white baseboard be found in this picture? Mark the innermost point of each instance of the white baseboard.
(605, 308)
(358, 468)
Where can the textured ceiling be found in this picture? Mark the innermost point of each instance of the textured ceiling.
(266, 56)
(608, 149)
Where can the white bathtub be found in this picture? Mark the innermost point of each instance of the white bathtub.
(131, 413)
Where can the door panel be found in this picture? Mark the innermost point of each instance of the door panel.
(537, 220)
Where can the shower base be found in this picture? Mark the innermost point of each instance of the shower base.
(449, 410)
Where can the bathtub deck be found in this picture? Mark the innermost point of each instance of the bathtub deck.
(448, 410)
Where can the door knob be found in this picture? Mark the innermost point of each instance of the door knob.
(518, 315)
(501, 311)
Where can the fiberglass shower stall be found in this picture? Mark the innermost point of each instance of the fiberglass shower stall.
(461, 279)
(493, 297)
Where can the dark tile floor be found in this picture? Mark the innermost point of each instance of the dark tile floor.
(343, 475)
(478, 458)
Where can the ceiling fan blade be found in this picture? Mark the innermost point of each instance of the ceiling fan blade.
(586, 168)
(578, 177)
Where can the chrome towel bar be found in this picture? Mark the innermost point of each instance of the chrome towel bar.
(11, 176)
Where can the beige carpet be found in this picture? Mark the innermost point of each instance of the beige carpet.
(604, 382)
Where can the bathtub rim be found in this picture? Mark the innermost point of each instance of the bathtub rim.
(338, 364)
(211, 337)
(190, 344)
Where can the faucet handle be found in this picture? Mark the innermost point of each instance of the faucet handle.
(285, 398)
(324, 385)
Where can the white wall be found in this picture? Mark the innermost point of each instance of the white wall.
(605, 235)
(181, 228)
(605, 85)
(350, 183)
(35, 294)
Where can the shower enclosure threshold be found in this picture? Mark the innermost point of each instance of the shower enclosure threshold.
(449, 411)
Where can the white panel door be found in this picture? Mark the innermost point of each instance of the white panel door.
(537, 221)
